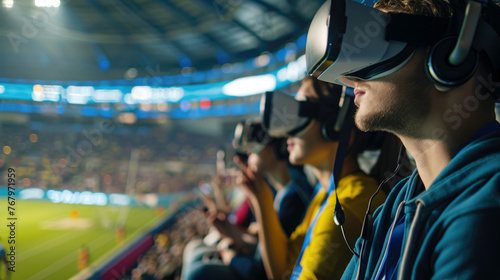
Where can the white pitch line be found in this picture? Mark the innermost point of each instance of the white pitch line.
(67, 259)
(55, 266)
(98, 242)
(50, 244)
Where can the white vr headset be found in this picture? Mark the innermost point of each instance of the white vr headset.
(350, 39)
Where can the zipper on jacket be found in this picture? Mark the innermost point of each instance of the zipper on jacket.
(396, 219)
(403, 270)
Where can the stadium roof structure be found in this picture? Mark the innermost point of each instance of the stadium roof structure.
(117, 39)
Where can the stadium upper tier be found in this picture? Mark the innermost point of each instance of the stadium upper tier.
(108, 40)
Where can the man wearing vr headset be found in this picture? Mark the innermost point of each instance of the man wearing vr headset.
(426, 71)
(267, 156)
(316, 249)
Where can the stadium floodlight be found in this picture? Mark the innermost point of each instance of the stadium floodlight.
(250, 85)
(47, 3)
(8, 3)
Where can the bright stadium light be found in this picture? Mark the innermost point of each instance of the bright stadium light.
(32, 193)
(119, 199)
(70, 197)
(79, 94)
(46, 93)
(294, 71)
(107, 96)
(8, 3)
(250, 85)
(47, 3)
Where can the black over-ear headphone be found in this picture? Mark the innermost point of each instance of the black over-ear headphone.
(453, 60)
(280, 148)
(331, 118)
(332, 124)
(328, 128)
(441, 72)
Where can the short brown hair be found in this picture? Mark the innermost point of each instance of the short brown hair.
(436, 8)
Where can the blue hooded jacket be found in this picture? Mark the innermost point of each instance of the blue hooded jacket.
(451, 230)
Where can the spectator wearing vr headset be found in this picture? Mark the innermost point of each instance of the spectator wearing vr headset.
(430, 75)
(313, 123)
(268, 155)
(292, 192)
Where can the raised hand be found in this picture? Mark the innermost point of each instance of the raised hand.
(253, 184)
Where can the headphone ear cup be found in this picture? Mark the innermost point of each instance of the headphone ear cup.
(281, 149)
(328, 129)
(441, 72)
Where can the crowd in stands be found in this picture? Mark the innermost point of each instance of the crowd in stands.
(81, 159)
(164, 259)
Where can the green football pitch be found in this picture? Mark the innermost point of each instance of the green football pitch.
(48, 235)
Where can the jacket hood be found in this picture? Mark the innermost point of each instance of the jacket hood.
(475, 163)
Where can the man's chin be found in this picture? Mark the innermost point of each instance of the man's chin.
(361, 122)
(367, 123)
(254, 168)
(295, 159)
